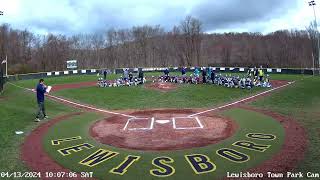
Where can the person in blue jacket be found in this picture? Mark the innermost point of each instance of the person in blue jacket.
(183, 73)
(105, 72)
(196, 75)
(166, 75)
(41, 90)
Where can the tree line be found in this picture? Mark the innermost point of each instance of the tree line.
(152, 46)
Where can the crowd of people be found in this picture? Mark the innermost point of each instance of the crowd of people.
(241, 82)
(255, 78)
(127, 79)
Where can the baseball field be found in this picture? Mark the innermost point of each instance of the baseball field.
(161, 131)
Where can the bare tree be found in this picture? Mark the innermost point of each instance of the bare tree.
(147, 46)
(191, 29)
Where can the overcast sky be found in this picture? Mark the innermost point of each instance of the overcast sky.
(88, 16)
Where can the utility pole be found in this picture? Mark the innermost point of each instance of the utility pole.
(6, 66)
(313, 3)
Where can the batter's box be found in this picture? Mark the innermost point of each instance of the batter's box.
(139, 124)
(187, 123)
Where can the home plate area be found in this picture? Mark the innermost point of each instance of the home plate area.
(155, 130)
(182, 123)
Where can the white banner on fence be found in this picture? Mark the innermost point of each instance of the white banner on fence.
(65, 72)
(93, 70)
(72, 64)
(160, 69)
(75, 72)
(148, 69)
(192, 68)
(241, 69)
(83, 71)
(231, 69)
(175, 68)
(269, 70)
(222, 69)
(49, 73)
(56, 73)
(279, 70)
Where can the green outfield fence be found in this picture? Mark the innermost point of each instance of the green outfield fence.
(159, 69)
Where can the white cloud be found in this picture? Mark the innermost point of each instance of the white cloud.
(75, 16)
(296, 18)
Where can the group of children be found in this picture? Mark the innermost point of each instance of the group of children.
(194, 78)
(128, 79)
(244, 82)
(254, 78)
(256, 73)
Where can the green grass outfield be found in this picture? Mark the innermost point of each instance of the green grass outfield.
(138, 97)
(301, 100)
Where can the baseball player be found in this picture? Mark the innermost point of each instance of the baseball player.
(196, 75)
(204, 75)
(183, 73)
(105, 72)
(166, 75)
(212, 76)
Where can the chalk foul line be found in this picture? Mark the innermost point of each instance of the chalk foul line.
(88, 107)
(242, 100)
(76, 104)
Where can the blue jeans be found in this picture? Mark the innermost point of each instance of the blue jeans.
(41, 110)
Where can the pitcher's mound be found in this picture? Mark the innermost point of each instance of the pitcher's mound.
(161, 86)
(162, 130)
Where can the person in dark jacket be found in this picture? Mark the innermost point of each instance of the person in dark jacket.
(41, 90)
(204, 75)
(141, 76)
(183, 73)
(105, 72)
(256, 73)
(213, 76)
(166, 75)
(130, 77)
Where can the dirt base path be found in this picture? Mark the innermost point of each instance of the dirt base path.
(34, 155)
(292, 151)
